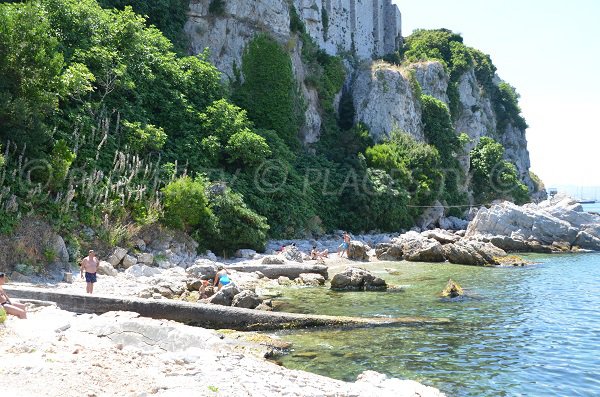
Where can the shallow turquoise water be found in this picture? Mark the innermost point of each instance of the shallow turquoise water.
(592, 207)
(532, 331)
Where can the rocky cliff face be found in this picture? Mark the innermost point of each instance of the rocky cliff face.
(365, 28)
(384, 99)
(384, 95)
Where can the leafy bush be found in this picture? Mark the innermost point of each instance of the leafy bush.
(186, 204)
(247, 148)
(506, 106)
(438, 129)
(492, 176)
(538, 184)
(144, 138)
(60, 161)
(236, 226)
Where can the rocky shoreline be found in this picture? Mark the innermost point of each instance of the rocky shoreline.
(55, 352)
(163, 267)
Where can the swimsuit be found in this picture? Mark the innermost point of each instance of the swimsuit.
(7, 301)
(344, 245)
(90, 277)
(224, 279)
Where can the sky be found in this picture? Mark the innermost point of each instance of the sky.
(549, 50)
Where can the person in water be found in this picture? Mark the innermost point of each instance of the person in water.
(10, 306)
(221, 278)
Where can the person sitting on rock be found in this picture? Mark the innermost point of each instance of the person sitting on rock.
(316, 254)
(11, 307)
(221, 278)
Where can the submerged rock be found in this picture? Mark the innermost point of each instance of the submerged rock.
(452, 290)
(357, 279)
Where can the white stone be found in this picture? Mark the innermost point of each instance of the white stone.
(129, 261)
(245, 253)
(106, 268)
(142, 271)
(146, 258)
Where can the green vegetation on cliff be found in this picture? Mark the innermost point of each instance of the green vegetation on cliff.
(494, 177)
(447, 47)
(104, 125)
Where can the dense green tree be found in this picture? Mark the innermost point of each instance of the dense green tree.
(269, 91)
(169, 16)
(438, 129)
(492, 176)
(30, 70)
(235, 224)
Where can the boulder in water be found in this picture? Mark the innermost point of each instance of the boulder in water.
(452, 290)
(357, 279)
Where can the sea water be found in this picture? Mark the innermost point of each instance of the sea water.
(522, 331)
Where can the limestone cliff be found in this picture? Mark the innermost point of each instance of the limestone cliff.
(383, 100)
(384, 96)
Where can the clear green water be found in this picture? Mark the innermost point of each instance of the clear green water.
(531, 331)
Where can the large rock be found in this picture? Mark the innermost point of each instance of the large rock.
(357, 250)
(431, 216)
(245, 253)
(129, 261)
(311, 279)
(443, 236)
(357, 279)
(203, 268)
(388, 252)
(423, 250)
(142, 271)
(60, 249)
(146, 258)
(292, 253)
(225, 296)
(246, 299)
(532, 223)
(587, 241)
(105, 268)
(536, 227)
(472, 252)
(452, 290)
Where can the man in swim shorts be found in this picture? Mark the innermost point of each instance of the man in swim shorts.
(89, 264)
(344, 245)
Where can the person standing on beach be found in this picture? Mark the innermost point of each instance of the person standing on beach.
(10, 306)
(344, 245)
(89, 264)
